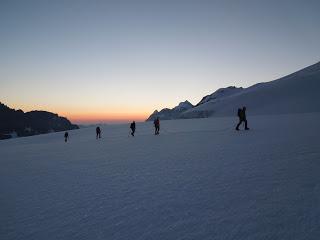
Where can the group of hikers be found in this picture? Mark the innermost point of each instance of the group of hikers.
(241, 115)
(98, 131)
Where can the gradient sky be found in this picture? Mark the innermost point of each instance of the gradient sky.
(105, 61)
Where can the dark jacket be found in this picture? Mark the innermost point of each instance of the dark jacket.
(156, 122)
(239, 112)
(242, 114)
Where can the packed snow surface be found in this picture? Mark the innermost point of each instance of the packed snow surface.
(199, 179)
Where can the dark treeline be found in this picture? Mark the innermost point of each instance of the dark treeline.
(30, 123)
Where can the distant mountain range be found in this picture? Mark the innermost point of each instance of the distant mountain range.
(296, 93)
(18, 123)
(174, 113)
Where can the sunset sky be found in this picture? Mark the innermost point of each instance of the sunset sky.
(116, 61)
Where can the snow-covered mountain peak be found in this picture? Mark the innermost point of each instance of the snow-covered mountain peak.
(295, 93)
(174, 113)
(220, 93)
(183, 106)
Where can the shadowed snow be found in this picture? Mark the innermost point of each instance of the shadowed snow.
(199, 179)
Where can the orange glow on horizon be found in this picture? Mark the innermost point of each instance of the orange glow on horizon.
(85, 115)
(87, 118)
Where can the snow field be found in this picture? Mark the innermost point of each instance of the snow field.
(199, 179)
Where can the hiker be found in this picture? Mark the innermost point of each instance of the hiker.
(242, 118)
(133, 128)
(156, 123)
(98, 132)
(66, 136)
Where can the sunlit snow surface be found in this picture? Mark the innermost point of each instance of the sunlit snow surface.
(199, 179)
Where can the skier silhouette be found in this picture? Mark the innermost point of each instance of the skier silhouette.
(66, 136)
(242, 118)
(156, 123)
(133, 128)
(98, 132)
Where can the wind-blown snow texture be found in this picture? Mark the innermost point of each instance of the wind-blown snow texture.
(199, 179)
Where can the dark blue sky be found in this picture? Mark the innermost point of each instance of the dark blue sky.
(121, 58)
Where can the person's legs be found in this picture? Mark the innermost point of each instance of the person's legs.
(246, 124)
(240, 121)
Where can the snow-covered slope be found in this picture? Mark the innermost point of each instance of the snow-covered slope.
(296, 93)
(199, 179)
(220, 94)
(174, 113)
(183, 106)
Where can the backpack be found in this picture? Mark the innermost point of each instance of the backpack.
(239, 112)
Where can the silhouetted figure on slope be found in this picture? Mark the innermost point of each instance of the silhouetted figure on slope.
(133, 128)
(242, 118)
(156, 123)
(66, 136)
(98, 132)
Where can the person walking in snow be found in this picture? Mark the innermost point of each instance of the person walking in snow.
(242, 118)
(66, 136)
(133, 128)
(98, 132)
(156, 123)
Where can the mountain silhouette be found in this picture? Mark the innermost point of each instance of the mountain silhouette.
(295, 93)
(19, 123)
